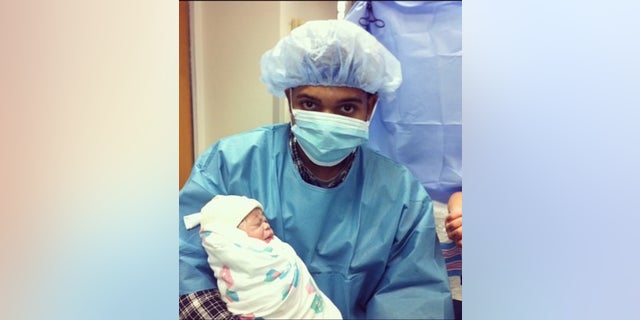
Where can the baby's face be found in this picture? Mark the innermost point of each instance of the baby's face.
(255, 224)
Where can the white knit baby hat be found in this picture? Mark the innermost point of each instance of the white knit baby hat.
(227, 210)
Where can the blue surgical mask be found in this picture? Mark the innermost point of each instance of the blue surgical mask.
(328, 138)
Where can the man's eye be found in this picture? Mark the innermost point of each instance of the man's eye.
(308, 105)
(348, 108)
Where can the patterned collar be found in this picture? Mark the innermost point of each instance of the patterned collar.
(309, 177)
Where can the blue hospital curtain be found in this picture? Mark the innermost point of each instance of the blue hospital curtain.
(422, 127)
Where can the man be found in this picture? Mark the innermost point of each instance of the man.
(362, 223)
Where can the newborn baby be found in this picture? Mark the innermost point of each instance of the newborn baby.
(257, 274)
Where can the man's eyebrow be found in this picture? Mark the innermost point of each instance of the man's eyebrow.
(345, 100)
(306, 96)
(314, 99)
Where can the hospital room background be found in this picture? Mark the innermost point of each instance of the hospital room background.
(221, 92)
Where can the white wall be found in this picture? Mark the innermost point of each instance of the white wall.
(228, 39)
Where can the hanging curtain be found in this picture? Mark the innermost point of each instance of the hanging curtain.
(422, 127)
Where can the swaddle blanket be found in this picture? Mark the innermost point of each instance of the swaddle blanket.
(259, 279)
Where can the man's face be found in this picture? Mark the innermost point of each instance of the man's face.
(255, 224)
(344, 101)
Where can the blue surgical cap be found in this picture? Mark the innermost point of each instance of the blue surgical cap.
(331, 53)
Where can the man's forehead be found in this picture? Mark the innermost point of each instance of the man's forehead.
(329, 91)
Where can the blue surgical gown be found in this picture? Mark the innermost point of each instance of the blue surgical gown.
(369, 243)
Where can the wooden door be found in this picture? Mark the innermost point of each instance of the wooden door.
(185, 113)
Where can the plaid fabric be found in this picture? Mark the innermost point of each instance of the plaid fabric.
(309, 177)
(205, 304)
